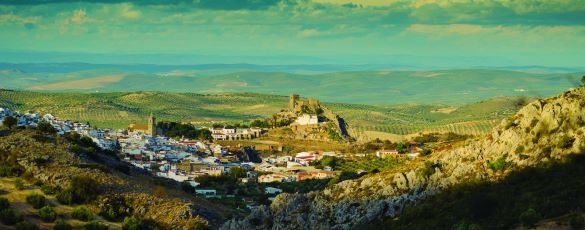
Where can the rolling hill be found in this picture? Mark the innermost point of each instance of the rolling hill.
(366, 122)
(454, 87)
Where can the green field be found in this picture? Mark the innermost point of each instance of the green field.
(117, 110)
(454, 87)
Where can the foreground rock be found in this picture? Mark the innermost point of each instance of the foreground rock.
(541, 131)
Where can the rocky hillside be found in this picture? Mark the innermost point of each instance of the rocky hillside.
(539, 133)
(121, 190)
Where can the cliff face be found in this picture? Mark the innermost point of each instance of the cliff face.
(541, 131)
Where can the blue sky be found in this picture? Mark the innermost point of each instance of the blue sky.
(459, 32)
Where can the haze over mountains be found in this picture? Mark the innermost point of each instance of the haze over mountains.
(360, 83)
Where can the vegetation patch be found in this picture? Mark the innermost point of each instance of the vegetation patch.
(36, 200)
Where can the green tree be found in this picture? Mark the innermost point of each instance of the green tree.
(131, 223)
(46, 128)
(19, 184)
(36, 200)
(25, 225)
(61, 224)
(47, 214)
(237, 172)
(583, 80)
(529, 217)
(10, 121)
(82, 213)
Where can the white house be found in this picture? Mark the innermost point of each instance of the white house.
(206, 192)
(271, 190)
(308, 119)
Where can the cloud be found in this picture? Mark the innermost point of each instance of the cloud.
(79, 16)
(129, 12)
(16, 19)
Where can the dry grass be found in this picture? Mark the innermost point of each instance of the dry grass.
(88, 83)
(17, 199)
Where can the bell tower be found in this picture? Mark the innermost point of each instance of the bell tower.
(152, 125)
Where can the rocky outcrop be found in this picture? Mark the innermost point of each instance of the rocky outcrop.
(541, 131)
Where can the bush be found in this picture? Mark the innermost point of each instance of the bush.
(10, 217)
(61, 224)
(428, 169)
(8, 171)
(94, 225)
(426, 152)
(577, 222)
(4, 203)
(131, 223)
(499, 164)
(82, 190)
(197, 224)
(566, 142)
(25, 225)
(115, 209)
(19, 184)
(82, 213)
(48, 189)
(519, 149)
(36, 200)
(47, 214)
(529, 217)
(65, 197)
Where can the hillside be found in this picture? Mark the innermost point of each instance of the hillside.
(366, 122)
(453, 87)
(69, 172)
(538, 135)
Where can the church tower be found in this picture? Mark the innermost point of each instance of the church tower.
(152, 125)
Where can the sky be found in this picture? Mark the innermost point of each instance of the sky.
(434, 32)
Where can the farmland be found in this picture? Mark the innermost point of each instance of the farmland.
(118, 109)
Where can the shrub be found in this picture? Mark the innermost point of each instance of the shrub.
(577, 222)
(94, 225)
(115, 209)
(428, 169)
(47, 214)
(197, 224)
(65, 197)
(499, 164)
(464, 225)
(48, 189)
(82, 190)
(4, 203)
(131, 223)
(566, 142)
(10, 217)
(25, 225)
(8, 170)
(61, 224)
(426, 152)
(18, 184)
(36, 200)
(529, 217)
(82, 213)
(519, 149)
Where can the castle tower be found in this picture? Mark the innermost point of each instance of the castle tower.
(152, 125)
(292, 102)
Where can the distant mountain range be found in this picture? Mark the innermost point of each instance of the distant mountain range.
(349, 84)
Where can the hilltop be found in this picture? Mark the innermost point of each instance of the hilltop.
(541, 136)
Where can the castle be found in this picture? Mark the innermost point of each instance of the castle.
(298, 106)
(149, 129)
